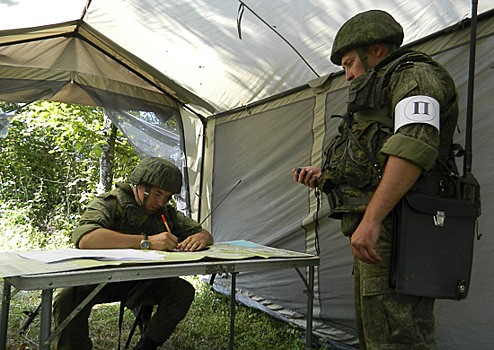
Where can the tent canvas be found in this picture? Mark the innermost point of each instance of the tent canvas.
(249, 110)
(289, 124)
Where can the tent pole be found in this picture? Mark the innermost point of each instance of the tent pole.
(201, 177)
(88, 2)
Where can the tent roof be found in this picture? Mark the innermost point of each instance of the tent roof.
(98, 49)
(194, 50)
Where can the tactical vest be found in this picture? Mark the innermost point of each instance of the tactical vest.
(349, 177)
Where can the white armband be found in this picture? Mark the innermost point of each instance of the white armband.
(415, 110)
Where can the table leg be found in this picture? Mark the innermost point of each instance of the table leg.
(73, 314)
(45, 319)
(310, 307)
(232, 309)
(4, 318)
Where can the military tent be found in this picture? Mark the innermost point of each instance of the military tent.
(252, 89)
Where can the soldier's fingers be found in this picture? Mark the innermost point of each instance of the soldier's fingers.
(308, 178)
(367, 256)
(376, 259)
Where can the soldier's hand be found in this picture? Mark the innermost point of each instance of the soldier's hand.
(192, 243)
(307, 175)
(364, 241)
(163, 241)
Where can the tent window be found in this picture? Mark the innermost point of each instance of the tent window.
(155, 135)
(154, 130)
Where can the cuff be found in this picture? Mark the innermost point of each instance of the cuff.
(411, 149)
(81, 231)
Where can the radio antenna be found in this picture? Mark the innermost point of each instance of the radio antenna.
(467, 166)
(234, 187)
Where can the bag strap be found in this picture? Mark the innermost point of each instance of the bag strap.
(119, 206)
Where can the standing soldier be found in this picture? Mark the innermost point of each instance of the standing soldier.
(401, 115)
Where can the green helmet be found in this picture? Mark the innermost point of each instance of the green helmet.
(366, 28)
(159, 173)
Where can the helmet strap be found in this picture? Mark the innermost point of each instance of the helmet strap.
(142, 203)
(146, 195)
(362, 54)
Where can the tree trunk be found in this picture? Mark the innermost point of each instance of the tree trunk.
(107, 157)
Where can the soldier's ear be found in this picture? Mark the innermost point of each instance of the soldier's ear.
(376, 53)
(379, 50)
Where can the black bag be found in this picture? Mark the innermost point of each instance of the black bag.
(433, 246)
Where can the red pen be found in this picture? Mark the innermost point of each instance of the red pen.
(166, 224)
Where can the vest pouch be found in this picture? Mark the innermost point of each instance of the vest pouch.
(361, 92)
(132, 217)
(347, 163)
(433, 246)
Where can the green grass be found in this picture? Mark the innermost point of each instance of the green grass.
(206, 326)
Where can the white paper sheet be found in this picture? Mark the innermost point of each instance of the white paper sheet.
(51, 256)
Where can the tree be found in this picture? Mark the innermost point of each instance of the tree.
(50, 162)
(107, 156)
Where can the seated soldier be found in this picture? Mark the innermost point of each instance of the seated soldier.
(131, 217)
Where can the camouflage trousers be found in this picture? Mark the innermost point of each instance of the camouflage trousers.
(385, 319)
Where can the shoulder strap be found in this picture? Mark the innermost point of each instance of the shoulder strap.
(390, 67)
(119, 206)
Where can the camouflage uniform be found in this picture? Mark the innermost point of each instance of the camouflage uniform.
(386, 319)
(172, 295)
(103, 212)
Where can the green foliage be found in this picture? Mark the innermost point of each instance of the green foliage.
(50, 167)
(207, 326)
(18, 232)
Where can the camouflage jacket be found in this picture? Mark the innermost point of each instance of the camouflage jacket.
(118, 211)
(348, 177)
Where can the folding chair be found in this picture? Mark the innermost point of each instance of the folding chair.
(142, 315)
